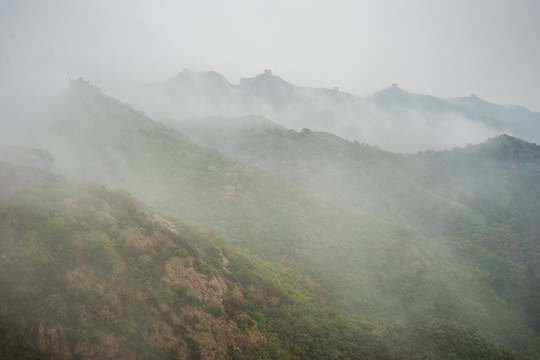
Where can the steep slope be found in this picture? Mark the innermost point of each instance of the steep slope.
(100, 139)
(87, 273)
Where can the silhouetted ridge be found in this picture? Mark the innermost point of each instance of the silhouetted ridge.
(208, 76)
(391, 95)
(512, 146)
(266, 79)
(81, 85)
(268, 88)
(397, 97)
(394, 119)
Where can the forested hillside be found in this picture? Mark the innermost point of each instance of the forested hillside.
(463, 205)
(88, 273)
(337, 248)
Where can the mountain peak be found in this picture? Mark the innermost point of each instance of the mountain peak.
(266, 79)
(201, 80)
(472, 99)
(392, 90)
(82, 85)
(391, 95)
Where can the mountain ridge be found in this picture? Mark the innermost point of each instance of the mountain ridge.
(383, 119)
(410, 254)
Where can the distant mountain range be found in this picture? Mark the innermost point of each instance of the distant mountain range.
(392, 119)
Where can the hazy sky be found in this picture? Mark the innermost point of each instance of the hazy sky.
(446, 48)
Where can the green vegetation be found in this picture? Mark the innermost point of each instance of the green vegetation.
(86, 273)
(314, 247)
(457, 248)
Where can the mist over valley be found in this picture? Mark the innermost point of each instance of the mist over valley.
(98, 198)
(269, 180)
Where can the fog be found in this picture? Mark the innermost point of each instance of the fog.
(346, 156)
(390, 233)
(444, 48)
(393, 119)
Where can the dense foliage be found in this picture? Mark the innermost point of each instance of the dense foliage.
(87, 273)
(463, 220)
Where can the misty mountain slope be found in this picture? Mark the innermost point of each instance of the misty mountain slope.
(196, 94)
(100, 139)
(482, 116)
(365, 179)
(321, 160)
(392, 119)
(406, 190)
(513, 119)
(394, 99)
(267, 88)
(86, 273)
(187, 94)
(379, 268)
(498, 189)
(499, 179)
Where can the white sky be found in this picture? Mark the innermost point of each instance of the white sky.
(445, 48)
